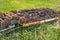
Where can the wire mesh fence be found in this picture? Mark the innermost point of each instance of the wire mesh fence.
(44, 32)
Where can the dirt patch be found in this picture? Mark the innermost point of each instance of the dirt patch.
(28, 17)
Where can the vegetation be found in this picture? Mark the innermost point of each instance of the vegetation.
(44, 31)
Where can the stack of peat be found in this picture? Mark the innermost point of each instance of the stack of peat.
(27, 18)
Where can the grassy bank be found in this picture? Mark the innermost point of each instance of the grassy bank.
(7, 5)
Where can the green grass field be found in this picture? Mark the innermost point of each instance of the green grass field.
(44, 31)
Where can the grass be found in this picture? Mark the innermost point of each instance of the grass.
(44, 31)
(7, 5)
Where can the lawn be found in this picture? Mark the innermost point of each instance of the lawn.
(44, 31)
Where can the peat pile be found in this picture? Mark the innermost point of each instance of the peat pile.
(27, 17)
(34, 15)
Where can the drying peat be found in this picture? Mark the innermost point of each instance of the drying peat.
(27, 17)
(34, 15)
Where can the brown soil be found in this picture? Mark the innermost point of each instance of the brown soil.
(28, 16)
